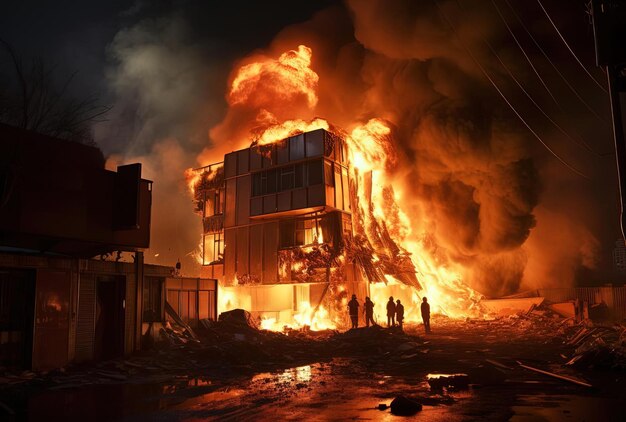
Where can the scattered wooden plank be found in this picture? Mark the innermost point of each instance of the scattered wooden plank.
(498, 364)
(552, 374)
(172, 313)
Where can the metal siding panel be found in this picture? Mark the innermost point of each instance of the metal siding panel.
(256, 159)
(270, 253)
(284, 201)
(243, 161)
(282, 151)
(299, 199)
(256, 251)
(314, 143)
(316, 195)
(269, 204)
(129, 314)
(230, 208)
(74, 308)
(230, 165)
(85, 326)
(243, 199)
(229, 255)
(256, 206)
(242, 264)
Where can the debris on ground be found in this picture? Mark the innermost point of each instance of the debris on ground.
(599, 347)
(438, 382)
(235, 344)
(404, 406)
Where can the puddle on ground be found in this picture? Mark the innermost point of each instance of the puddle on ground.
(341, 390)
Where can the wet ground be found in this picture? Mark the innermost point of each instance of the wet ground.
(352, 387)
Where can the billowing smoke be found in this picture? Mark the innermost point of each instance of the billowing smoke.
(160, 84)
(468, 163)
(485, 194)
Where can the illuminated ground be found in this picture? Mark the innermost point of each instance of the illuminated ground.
(349, 388)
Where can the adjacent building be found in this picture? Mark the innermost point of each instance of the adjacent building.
(65, 221)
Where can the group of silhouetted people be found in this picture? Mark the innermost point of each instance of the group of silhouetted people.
(395, 312)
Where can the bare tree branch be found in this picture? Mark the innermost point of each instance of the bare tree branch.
(45, 107)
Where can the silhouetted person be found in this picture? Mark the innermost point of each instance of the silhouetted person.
(391, 313)
(369, 312)
(353, 308)
(426, 315)
(399, 313)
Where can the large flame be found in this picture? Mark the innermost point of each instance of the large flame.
(288, 76)
(371, 150)
(382, 200)
(289, 128)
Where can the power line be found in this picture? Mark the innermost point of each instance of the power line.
(519, 116)
(579, 139)
(555, 67)
(581, 144)
(523, 51)
(570, 48)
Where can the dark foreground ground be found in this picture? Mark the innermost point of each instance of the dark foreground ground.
(334, 377)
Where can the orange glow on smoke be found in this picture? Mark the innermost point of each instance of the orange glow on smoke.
(372, 161)
(289, 128)
(290, 75)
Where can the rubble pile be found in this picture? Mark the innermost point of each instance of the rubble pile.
(232, 344)
(599, 347)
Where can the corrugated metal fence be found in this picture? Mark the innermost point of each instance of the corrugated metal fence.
(613, 297)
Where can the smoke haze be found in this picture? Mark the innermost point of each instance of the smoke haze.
(487, 198)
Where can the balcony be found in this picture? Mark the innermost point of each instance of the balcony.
(213, 224)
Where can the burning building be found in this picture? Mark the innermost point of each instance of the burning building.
(294, 227)
(303, 214)
(276, 220)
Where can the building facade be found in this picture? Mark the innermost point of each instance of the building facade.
(65, 293)
(276, 218)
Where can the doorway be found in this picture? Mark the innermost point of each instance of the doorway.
(110, 318)
(17, 309)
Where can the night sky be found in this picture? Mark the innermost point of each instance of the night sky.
(190, 48)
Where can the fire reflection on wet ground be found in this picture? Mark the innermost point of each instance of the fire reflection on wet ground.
(341, 389)
(352, 387)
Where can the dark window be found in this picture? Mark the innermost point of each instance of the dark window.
(282, 151)
(296, 147)
(271, 181)
(286, 178)
(299, 173)
(315, 173)
(257, 188)
(314, 143)
(152, 299)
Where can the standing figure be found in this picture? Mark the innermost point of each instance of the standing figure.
(353, 310)
(369, 312)
(426, 315)
(391, 313)
(399, 313)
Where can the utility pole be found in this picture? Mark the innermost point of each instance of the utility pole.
(609, 30)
